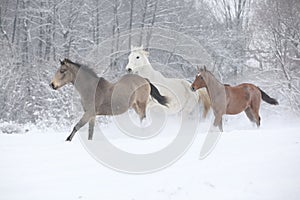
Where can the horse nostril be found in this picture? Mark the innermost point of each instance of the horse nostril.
(129, 70)
(52, 86)
(192, 88)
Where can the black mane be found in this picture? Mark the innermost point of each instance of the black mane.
(82, 67)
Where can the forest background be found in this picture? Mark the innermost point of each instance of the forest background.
(248, 41)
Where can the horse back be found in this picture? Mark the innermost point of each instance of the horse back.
(240, 91)
(134, 86)
(132, 81)
(116, 98)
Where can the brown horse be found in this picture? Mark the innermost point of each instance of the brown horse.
(100, 97)
(231, 100)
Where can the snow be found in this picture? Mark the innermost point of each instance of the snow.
(247, 163)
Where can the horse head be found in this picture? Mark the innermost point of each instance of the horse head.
(199, 81)
(65, 74)
(137, 59)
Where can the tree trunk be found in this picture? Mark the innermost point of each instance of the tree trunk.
(97, 34)
(130, 23)
(152, 24)
(41, 32)
(143, 22)
(4, 32)
(15, 22)
(115, 33)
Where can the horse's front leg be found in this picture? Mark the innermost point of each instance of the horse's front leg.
(85, 118)
(91, 128)
(218, 122)
(221, 125)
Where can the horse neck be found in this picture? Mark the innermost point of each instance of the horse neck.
(85, 82)
(214, 87)
(148, 71)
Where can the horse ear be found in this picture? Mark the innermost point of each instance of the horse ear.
(66, 60)
(146, 53)
(142, 46)
(204, 68)
(198, 68)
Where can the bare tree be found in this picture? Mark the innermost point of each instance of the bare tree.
(130, 22)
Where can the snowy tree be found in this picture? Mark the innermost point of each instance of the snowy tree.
(242, 36)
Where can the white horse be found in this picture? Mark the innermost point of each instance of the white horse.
(181, 97)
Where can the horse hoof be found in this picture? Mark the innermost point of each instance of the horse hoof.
(68, 139)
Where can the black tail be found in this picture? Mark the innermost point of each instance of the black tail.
(267, 98)
(163, 100)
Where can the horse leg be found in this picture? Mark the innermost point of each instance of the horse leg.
(249, 114)
(85, 118)
(218, 122)
(142, 109)
(257, 117)
(255, 110)
(91, 128)
(203, 96)
(135, 107)
(221, 125)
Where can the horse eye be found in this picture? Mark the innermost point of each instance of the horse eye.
(62, 71)
(137, 57)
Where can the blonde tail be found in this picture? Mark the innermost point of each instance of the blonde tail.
(203, 96)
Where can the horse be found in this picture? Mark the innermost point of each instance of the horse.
(101, 97)
(226, 99)
(178, 90)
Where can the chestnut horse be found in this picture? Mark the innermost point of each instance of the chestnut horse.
(226, 99)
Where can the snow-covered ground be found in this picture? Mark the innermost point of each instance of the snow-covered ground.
(247, 163)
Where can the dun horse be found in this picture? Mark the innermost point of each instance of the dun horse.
(100, 97)
(231, 100)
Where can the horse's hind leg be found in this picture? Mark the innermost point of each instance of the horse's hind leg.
(85, 118)
(257, 118)
(91, 128)
(142, 109)
(136, 108)
(249, 114)
(255, 111)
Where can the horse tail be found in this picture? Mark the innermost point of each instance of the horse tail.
(267, 98)
(163, 100)
(203, 96)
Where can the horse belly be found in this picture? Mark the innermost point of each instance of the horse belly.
(236, 106)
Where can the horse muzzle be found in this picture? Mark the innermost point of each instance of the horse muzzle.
(193, 89)
(53, 86)
(129, 70)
